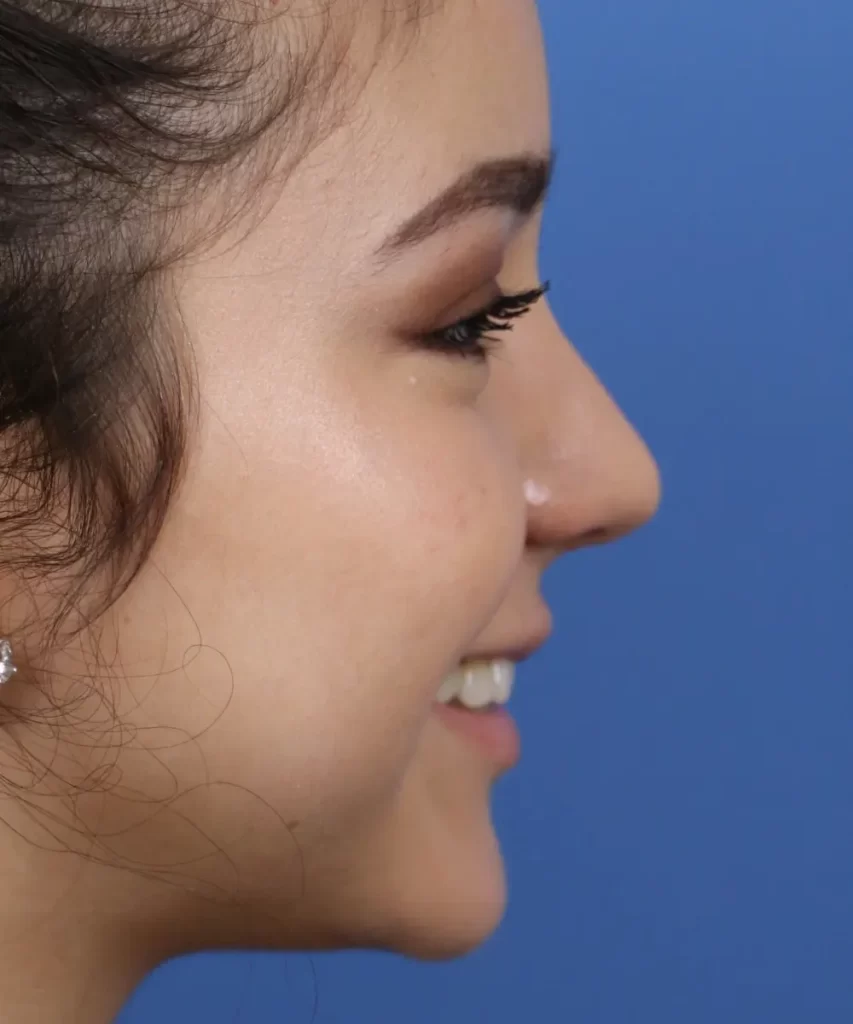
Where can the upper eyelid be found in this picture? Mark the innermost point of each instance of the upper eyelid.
(508, 305)
(483, 310)
(523, 299)
(523, 302)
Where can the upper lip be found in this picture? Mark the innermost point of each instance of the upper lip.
(516, 650)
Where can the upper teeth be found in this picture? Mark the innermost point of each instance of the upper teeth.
(476, 684)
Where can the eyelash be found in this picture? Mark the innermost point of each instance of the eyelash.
(470, 337)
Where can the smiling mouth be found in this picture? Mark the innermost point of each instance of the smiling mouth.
(471, 704)
(479, 684)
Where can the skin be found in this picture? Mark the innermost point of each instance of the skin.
(357, 516)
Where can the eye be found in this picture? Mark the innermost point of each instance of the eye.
(473, 336)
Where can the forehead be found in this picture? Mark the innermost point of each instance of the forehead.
(471, 78)
(421, 96)
(463, 82)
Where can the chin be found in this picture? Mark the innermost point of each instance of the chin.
(450, 915)
(461, 931)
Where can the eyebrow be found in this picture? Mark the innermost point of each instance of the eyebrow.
(517, 183)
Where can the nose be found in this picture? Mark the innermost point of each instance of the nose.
(589, 477)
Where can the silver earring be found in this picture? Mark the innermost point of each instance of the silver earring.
(7, 665)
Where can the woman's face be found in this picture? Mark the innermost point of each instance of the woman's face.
(360, 513)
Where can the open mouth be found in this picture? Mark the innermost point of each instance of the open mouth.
(479, 685)
(471, 703)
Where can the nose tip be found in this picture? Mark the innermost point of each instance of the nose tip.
(628, 494)
(595, 478)
(608, 500)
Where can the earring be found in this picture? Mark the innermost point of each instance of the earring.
(7, 666)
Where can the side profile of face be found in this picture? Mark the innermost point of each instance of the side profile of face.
(361, 511)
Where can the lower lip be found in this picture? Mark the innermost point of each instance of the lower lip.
(493, 732)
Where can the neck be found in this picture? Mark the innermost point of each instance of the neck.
(76, 939)
(48, 975)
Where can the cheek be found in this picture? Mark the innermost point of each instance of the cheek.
(456, 522)
(422, 527)
(432, 537)
(357, 553)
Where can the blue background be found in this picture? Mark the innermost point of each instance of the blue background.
(680, 833)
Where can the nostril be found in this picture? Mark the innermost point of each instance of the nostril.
(600, 535)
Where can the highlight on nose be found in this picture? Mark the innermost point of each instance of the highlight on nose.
(536, 494)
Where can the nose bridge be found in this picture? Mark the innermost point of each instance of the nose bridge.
(589, 477)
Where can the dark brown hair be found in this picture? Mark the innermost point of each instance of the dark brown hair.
(113, 116)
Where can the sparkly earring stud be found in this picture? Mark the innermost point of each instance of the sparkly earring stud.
(7, 666)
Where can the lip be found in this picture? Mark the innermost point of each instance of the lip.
(517, 650)
(492, 733)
